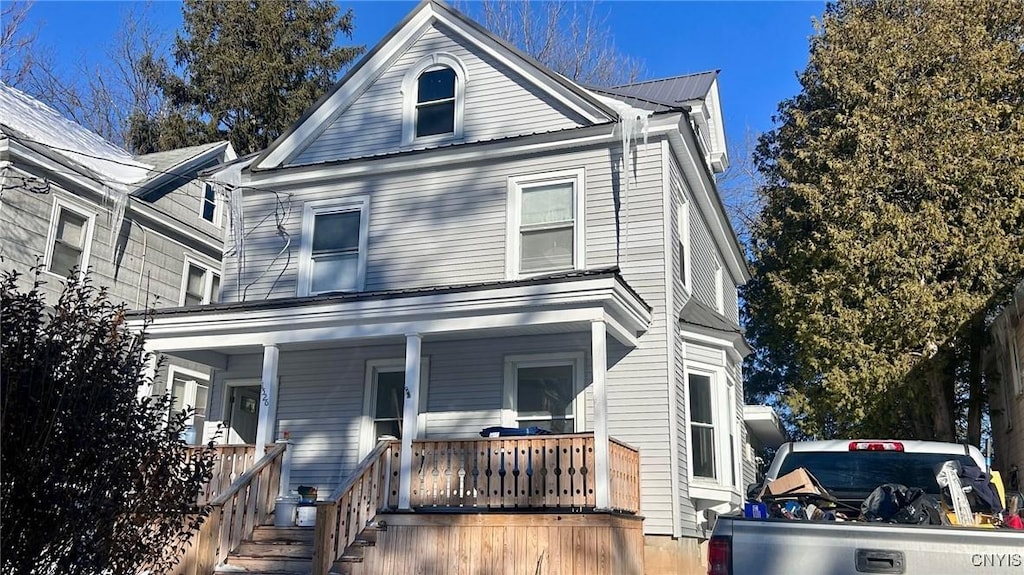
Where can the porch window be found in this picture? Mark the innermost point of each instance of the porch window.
(70, 233)
(189, 390)
(544, 391)
(546, 223)
(334, 246)
(388, 404)
(200, 284)
(384, 400)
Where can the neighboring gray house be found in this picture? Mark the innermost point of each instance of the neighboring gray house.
(149, 230)
(456, 237)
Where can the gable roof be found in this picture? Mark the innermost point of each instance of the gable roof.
(664, 94)
(33, 122)
(427, 13)
(180, 163)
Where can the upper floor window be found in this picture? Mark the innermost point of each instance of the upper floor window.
(200, 284)
(683, 230)
(334, 237)
(545, 223)
(210, 207)
(69, 239)
(434, 94)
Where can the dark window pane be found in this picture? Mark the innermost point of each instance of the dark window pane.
(700, 399)
(436, 85)
(389, 427)
(434, 119)
(545, 391)
(553, 425)
(702, 444)
(390, 394)
(209, 203)
(862, 471)
(337, 231)
(215, 289)
(64, 258)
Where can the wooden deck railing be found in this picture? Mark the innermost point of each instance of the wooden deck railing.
(624, 467)
(229, 464)
(536, 472)
(341, 518)
(236, 512)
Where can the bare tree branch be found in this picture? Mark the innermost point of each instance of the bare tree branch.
(738, 187)
(16, 54)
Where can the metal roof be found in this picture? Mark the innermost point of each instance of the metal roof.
(664, 94)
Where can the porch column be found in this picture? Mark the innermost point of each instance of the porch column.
(599, 367)
(268, 399)
(410, 414)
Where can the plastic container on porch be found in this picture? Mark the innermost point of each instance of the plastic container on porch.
(284, 510)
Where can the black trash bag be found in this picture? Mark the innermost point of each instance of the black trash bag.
(982, 496)
(895, 503)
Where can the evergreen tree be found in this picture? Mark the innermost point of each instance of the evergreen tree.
(893, 218)
(94, 480)
(249, 70)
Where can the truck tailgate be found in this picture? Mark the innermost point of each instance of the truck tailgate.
(766, 547)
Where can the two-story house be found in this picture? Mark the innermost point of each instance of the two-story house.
(456, 238)
(151, 232)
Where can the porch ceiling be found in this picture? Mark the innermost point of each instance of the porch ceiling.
(555, 304)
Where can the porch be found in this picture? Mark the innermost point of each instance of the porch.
(495, 502)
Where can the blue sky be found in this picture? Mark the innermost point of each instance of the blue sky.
(758, 46)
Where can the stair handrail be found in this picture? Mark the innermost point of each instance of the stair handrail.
(343, 516)
(235, 513)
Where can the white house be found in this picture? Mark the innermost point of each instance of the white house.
(456, 237)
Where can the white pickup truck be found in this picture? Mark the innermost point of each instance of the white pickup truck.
(850, 471)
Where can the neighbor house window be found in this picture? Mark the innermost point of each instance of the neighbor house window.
(334, 237)
(546, 223)
(189, 390)
(70, 235)
(210, 206)
(544, 391)
(434, 93)
(200, 284)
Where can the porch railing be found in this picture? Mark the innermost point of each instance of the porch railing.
(236, 512)
(229, 464)
(537, 472)
(341, 518)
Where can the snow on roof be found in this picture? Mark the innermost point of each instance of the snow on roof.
(41, 124)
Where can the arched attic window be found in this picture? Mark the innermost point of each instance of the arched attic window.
(434, 93)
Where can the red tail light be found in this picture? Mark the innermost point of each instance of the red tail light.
(876, 446)
(720, 556)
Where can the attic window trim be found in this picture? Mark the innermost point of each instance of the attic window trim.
(410, 93)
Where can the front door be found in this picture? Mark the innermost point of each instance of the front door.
(244, 412)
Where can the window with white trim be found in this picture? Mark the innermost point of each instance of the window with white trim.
(683, 229)
(434, 94)
(720, 289)
(384, 400)
(545, 391)
(199, 285)
(70, 237)
(545, 223)
(210, 205)
(189, 390)
(333, 253)
(712, 424)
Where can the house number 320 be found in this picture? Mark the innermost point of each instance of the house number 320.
(264, 396)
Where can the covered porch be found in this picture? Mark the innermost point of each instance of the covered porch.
(459, 359)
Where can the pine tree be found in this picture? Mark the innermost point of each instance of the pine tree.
(893, 218)
(249, 70)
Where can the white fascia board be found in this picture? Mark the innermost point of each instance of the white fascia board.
(525, 70)
(452, 312)
(62, 170)
(448, 157)
(729, 347)
(346, 93)
(702, 189)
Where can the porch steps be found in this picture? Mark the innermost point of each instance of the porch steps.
(351, 562)
(272, 551)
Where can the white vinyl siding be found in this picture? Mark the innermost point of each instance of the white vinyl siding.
(705, 264)
(495, 105)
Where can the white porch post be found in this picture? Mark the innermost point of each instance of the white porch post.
(286, 469)
(268, 399)
(149, 373)
(599, 367)
(410, 414)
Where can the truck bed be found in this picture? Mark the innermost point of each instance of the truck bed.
(782, 547)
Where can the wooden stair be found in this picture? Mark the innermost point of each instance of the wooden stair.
(289, 551)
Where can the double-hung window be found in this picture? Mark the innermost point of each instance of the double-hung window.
(210, 206)
(384, 400)
(435, 102)
(714, 430)
(545, 223)
(434, 97)
(544, 391)
(334, 238)
(189, 390)
(702, 426)
(70, 236)
(683, 230)
(200, 284)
